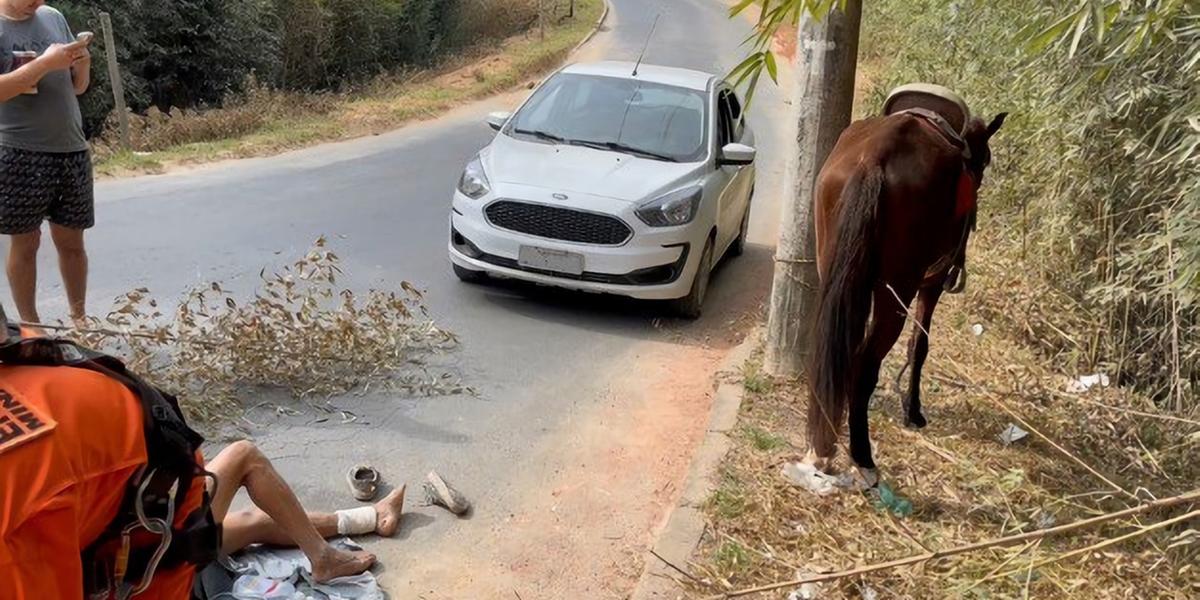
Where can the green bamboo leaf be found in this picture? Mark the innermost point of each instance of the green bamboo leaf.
(1082, 19)
(737, 9)
(1101, 20)
(1050, 35)
(739, 73)
(752, 72)
(750, 90)
(772, 68)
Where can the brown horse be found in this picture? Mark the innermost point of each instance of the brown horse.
(894, 205)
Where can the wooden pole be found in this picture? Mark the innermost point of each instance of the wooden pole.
(542, 19)
(114, 77)
(823, 98)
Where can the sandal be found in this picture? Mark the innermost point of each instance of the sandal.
(438, 492)
(364, 482)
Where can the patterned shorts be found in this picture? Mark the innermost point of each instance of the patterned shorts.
(38, 186)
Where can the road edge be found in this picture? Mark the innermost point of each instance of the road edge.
(685, 524)
(596, 29)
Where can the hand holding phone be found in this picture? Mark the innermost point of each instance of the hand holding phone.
(84, 38)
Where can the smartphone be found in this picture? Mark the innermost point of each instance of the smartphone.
(84, 37)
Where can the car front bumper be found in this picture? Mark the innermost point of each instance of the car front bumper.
(653, 264)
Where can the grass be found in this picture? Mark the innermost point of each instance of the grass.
(728, 500)
(267, 122)
(732, 557)
(964, 486)
(754, 379)
(762, 440)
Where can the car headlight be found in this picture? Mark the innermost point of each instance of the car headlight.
(474, 182)
(676, 208)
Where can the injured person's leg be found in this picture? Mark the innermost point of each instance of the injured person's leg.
(245, 527)
(280, 520)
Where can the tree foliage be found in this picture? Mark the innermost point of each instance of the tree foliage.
(192, 53)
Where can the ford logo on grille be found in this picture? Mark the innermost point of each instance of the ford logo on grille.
(559, 196)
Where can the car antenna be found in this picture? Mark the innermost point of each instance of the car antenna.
(646, 45)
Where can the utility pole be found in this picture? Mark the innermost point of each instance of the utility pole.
(822, 98)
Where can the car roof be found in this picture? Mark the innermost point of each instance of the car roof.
(685, 78)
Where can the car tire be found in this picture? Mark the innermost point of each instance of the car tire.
(468, 275)
(739, 245)
(689, 306)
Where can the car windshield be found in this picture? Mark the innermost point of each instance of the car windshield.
(644, 119)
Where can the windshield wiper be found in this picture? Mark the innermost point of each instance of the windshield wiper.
(619, 147)
(541, 135)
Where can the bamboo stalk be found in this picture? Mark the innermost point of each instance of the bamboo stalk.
(1109, 542)
(1191, 496)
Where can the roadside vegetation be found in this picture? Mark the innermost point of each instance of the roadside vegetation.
(1086, 262)
(263, 76)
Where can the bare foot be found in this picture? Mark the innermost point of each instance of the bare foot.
(334, 563)
(388, 512)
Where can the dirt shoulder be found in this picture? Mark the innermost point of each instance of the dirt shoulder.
(265, 122)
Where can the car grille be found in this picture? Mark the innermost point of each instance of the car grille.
(558, 223)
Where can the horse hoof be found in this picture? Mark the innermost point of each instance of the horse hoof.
(916, 421)
(869, 478)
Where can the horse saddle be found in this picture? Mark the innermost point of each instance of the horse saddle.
(939, 106)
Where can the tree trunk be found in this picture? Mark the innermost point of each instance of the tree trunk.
(823, 99)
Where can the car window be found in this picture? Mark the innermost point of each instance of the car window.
(735, 113)
(654, 120)
(542, 114)
(724, 120)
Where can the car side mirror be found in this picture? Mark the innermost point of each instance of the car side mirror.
(736, 155)
(497, 120)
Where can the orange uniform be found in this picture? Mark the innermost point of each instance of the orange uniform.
(70, 439)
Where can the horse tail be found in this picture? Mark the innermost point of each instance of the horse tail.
(844, 305)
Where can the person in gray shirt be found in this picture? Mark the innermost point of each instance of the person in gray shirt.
(45, 164)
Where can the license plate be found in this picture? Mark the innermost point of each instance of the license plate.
(559, 261)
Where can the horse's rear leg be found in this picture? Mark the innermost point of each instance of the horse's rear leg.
(887, 322)
(918, 349)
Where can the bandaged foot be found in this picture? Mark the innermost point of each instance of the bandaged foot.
(357, 521)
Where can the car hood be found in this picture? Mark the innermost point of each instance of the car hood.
(565, 168)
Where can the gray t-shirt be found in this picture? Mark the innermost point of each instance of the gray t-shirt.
(48, 121)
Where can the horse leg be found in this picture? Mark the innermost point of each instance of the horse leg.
(918, 349)
(887, 322)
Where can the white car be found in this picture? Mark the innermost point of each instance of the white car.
(610, 180)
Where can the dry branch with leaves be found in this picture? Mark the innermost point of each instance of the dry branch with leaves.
(298, 333)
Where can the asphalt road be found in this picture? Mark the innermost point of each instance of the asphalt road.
(538, 359)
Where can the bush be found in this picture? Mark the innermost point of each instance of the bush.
(178, 54)
(185, 54)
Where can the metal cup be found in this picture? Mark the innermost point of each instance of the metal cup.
(22, 58)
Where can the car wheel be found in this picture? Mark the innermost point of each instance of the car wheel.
(739, 245)
(468, 275)
(689, 306)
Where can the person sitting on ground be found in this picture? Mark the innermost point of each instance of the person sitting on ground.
(71, 441)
